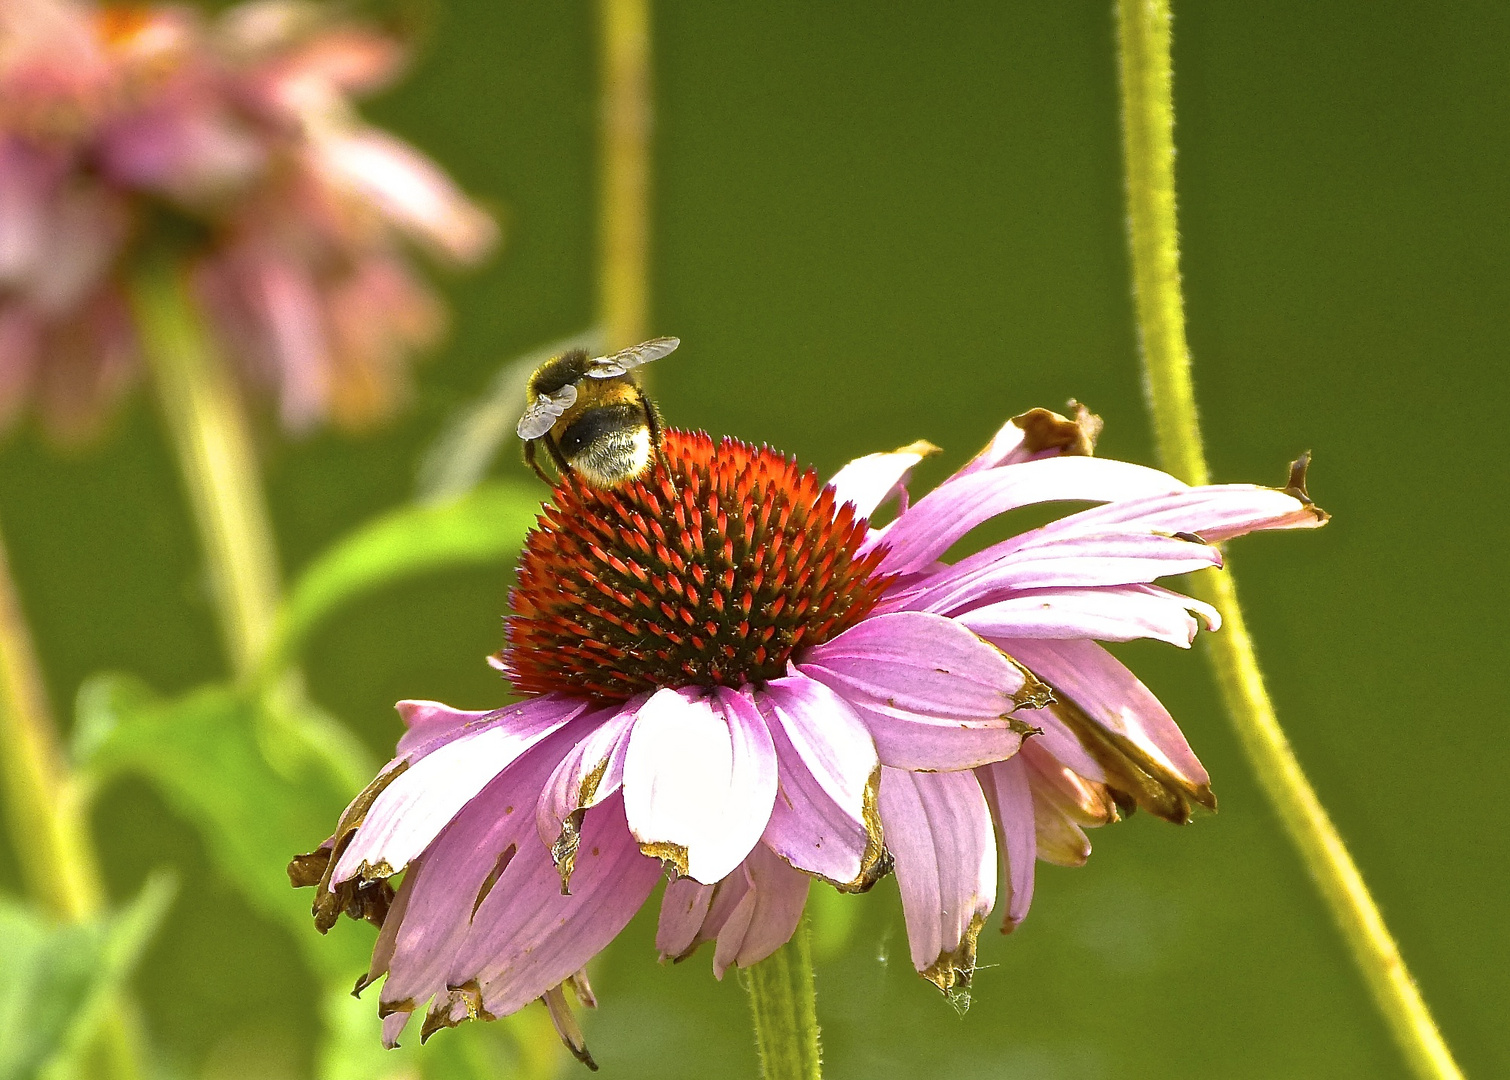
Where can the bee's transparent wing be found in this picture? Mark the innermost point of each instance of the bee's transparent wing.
(544, 411)
(615, 364)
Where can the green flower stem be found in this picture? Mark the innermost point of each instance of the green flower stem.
(624, 171)
(214, 450)
(781, 1006)
(1148, 143)
(47, 812)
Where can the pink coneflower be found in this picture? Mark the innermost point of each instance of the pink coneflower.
(115, 119)
(735, 679)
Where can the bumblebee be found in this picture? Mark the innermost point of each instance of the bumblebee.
(591, 415)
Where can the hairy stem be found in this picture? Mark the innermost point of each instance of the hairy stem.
(782, 1007)
(624, 171)
(214, 450)
(47, 811)
(1148, 146)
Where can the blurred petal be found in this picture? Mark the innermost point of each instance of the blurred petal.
(409, 188)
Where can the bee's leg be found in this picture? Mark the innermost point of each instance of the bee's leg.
(657, 437)
(529, 459)
(562, 466)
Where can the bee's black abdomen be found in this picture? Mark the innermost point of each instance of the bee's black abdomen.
(597, 422)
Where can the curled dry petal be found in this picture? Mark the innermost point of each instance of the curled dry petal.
(1122, 724)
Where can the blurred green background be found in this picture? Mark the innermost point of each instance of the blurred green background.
(875, 224)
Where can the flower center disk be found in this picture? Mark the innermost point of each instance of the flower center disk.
(710, 575)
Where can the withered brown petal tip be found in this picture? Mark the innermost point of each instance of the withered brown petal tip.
(305, 871)
(1296, 485)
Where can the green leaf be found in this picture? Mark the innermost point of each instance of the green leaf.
(486, 525)
(256, 792)
(56, 978)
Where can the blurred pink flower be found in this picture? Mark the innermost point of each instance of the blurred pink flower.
(113, 118)
(735, 678)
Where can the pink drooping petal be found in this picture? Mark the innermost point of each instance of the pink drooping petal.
(938, 828)
(824, 817)
(445, 887)
(1114, 613)
(1035, 561)
(427, 721)
(766, 915)
(1055, 737)
(393, 1026)
(750, 913)
(1086, 803)
(699, 780)
(933, 524)
(1057, 836)
(1005, 785)
(1090, 677)
(590, 772)
(527, 937)
(409, 188)
(684, 906)
(1215, 512)
(934, 695)
(412, 809)
(867, 482)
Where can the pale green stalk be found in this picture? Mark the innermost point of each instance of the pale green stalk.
(1148, 145)
(214, 450)
(46, 811)
(624, 171)
(781, 1005)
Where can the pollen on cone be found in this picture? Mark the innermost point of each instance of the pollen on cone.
(710, 575)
